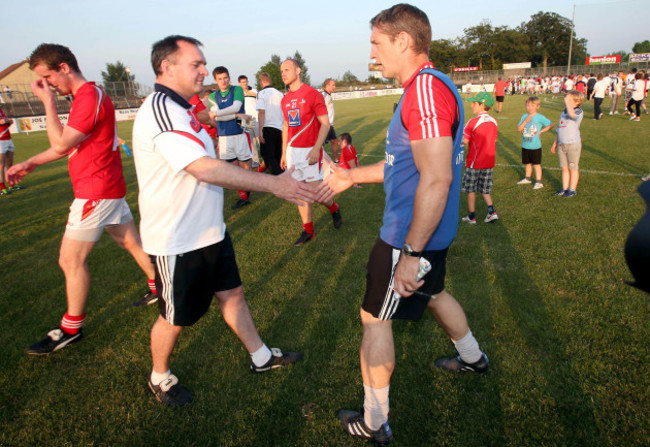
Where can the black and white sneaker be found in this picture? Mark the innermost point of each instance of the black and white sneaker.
(56, 339)
(304, 237)
(354, 424)
(169, 392)
(147, 299)
(337, 220)
(456, 364)
(240, 203)
(277, 360)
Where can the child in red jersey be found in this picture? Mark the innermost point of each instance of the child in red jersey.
(349, 159)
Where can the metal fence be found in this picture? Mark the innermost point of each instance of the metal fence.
(22, 102)
(491, 76)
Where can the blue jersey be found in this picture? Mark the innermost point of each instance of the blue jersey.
(401, 179)
(231, 127)
(531, 139)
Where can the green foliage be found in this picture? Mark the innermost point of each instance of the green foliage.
(641, 47)
(273, 69)
(349, 78)
(543, 288)
(304, 70)
(543, 40)
(117, 79)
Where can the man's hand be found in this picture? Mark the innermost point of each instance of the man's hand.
(406, 273)
(261, 138)
(243, 116)
(42, 90)
(15, 174)
(553, 148)
(313, 156)
(338, 181)
(292, 190)
(283, 162)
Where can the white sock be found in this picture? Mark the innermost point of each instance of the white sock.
(375, 406)
(261, 356)
(157, 378)
(468, 349)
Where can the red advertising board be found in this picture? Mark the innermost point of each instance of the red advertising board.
(596, 60)
(466, 69)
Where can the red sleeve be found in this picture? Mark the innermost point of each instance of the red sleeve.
(428, 108)
(467, 133)
(197, 103)
(84, 110)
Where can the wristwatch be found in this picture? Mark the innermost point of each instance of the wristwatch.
(407, 250)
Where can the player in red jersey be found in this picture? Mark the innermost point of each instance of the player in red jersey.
(6, 151)
(306, 125)
(89, 140)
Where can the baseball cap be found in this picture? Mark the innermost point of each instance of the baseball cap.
(483, 98)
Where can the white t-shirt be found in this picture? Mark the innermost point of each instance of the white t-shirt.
(569, 84)
(600, 88)
(269, 99)
(178, 213)
(329, 103)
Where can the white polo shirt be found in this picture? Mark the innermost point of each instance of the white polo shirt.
(178, 213)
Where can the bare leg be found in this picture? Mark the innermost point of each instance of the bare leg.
(163, 340)
(128, 238)
(565, 178)
(488, 199)
(471, 202)
(538, 172)
(72, 259)
(237, 315)
(377, 351)
(449, 315)
(528, 170)
(574, 176)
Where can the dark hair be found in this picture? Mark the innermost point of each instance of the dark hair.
(327, 81)
(242, 77)
(405, 18)
(163, 49)
(347, 137)
(52, 56)
(264, 76)
(220, 70)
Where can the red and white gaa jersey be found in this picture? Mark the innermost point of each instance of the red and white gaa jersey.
(95, 164)
(301, 110)
(4, 129)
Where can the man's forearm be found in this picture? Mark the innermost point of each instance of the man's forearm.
(373, 173)
(226, 175)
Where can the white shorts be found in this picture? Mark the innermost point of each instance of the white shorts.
(235, 147)
(6, 146)
(297, 157)
(88, 217)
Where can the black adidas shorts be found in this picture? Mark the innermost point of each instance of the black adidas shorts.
(186, 283)
(380, 299)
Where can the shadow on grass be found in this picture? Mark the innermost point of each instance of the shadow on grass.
(545, 362)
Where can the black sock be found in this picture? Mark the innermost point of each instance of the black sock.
(471, 215)
(490, 209)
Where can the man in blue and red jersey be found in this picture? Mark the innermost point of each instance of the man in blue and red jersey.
(89, 140)
(306, 125)
(421, 175)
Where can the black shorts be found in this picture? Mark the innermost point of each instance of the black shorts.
(381, 300)
(187, 282)
(499, 98)
(331, 135)
(532, 156)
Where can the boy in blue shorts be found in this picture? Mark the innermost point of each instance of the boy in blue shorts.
(532, 125)
(480, 136)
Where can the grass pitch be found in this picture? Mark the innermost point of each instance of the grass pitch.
(543, 289)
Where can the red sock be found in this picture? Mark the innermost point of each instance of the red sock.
(334, 208)
(152, 286)
(309, 227)
(72, 324)
(2, 185)
(262, 168)
(243, 195)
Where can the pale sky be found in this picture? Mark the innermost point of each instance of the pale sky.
(333, 36)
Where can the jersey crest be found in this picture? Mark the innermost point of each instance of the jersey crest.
(194, 122)
(294, 117)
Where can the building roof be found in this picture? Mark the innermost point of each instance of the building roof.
(10, 69)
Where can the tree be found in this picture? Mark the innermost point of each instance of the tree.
(447, 54)
(549, 35)
(641, 47)
(117, 79)
(349, 78)
(479, 45)
(272, 67)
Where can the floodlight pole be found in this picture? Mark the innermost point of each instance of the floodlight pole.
(573, 26)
